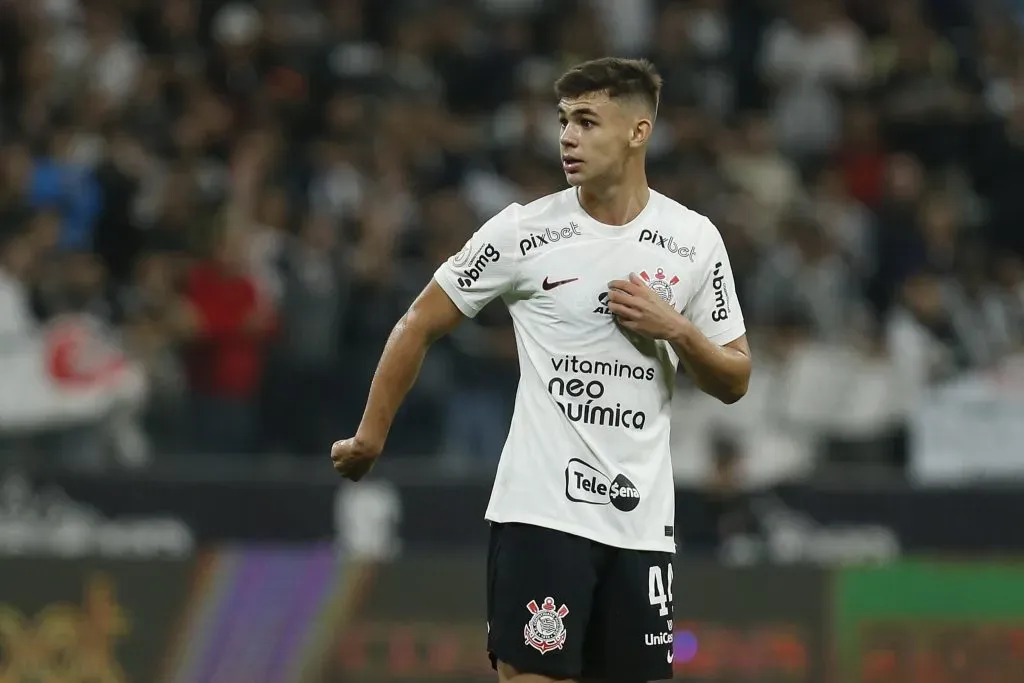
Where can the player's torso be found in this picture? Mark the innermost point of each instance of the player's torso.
(592, 414)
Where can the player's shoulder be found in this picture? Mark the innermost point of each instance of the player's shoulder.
(544, 207)
(502, 228)
(550, 205)
(677, 217)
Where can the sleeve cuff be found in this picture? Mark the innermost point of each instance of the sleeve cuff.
(456, 296)
(728, 336)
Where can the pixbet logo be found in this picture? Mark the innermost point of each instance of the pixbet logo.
(549, 236)
(721, 311)
(471, 265)
(668, 243)
(584, 483)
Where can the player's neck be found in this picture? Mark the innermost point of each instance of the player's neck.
(616, 204)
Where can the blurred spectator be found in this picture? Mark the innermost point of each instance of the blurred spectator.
(232, 320)
(996, 179)
(155, 321)
(921, 338)
(633, 24)
(924, 99)
(304, 378)
(809, 58)
(999, 63)
(846, 222)
(900, 247)
(76, 282)
(806, 276)
(727, 511)
(1009, 277)
(982, 317)
(55, 182)
(16, 255)
(861, 154)
(711, 40)
(760, 170)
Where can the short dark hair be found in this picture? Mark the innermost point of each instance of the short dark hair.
(615, 76)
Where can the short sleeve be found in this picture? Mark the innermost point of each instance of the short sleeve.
(486, 267)
(714, 308)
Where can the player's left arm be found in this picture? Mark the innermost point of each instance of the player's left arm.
(708, 336)
(720, 371)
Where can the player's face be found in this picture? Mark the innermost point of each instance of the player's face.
(597, 136)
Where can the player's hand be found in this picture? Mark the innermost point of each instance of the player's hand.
(638, 309)
(354, 458)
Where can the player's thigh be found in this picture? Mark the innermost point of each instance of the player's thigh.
(630, 636)
(539, 592)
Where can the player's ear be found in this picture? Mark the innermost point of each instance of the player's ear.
(640, 132)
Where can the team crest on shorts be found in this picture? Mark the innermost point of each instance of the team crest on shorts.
(661, 284)
(546, 629)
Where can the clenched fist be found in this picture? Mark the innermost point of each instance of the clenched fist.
(354, 458)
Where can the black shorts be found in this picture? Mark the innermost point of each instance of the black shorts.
(563, 606)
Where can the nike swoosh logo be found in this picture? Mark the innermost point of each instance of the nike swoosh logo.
(669, 657)
(557, 283)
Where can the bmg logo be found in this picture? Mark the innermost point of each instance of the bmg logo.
(473, 267)
(721, 311)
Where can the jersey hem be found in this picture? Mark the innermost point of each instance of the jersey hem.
(669, 546)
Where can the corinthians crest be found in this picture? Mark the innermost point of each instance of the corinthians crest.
(661, 284)
(546, 629)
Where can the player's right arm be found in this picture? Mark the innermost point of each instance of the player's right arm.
(482, 270)
(431, 316)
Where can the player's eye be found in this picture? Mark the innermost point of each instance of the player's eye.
(563, 123)
(587, 123)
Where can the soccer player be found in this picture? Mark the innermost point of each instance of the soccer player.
(610, 286)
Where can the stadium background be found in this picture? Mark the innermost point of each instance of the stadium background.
(167, 509)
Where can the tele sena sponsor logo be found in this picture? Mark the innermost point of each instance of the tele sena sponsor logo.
(668, 243)
(584, 483)
(470, 265)
(536, 240)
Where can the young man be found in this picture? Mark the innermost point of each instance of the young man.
(610, 286)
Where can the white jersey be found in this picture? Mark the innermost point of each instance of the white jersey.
(588, 449)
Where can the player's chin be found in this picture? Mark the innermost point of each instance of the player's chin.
(574, 178)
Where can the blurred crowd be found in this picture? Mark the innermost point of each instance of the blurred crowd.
(249, 195)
